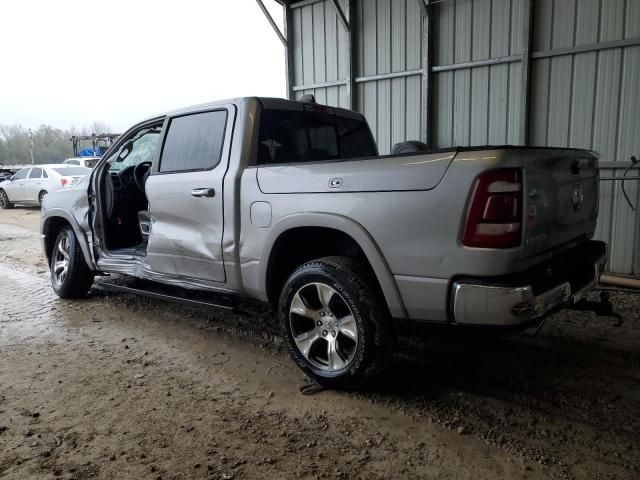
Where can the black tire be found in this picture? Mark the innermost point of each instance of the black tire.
(5, 204)
(41, 197)
(77, 278)
(375, 337)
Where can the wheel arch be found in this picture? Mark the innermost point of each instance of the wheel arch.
(52, 224)
(324, 235)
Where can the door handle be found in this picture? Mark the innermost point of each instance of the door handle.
(203, 192)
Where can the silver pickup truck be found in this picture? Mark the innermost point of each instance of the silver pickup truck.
(290, 203)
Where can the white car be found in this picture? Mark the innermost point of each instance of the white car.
(31, 184)
(88, 162)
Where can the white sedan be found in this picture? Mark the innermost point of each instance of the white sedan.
(88, 162)
(31, 184)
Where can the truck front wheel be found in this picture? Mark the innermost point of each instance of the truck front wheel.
(70, 275)
(335, 326)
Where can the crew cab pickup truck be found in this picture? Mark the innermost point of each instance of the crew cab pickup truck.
(289, 203)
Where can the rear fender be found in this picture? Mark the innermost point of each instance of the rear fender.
(355, 231)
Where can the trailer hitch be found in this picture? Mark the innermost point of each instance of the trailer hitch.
(602, 308)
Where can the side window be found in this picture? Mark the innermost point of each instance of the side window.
(194, 142)
(44, 174)
(21, 174)
(35, 173)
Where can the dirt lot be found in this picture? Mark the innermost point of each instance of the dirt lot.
(123, 387)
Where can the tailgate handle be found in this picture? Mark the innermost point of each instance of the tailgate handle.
(203, 192)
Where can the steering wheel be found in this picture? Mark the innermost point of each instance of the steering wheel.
(140, 174)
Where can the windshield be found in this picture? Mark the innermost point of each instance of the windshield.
(72, 171)
(141, 148)
(313, 135)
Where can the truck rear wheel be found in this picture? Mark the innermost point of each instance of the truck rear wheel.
(335, 326)
(70, 275)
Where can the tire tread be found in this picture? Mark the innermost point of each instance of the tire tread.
(79, 277)
(379, 338)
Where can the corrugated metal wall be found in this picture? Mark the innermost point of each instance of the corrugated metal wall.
(319, 52)
(590, 99)
(388, 41)
(583, 59)
(478, 105)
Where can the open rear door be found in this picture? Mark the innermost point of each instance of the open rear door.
(185, 196)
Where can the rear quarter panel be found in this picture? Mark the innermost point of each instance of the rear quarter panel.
(416, 231)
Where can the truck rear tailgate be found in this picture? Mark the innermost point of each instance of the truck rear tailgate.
(560, 197)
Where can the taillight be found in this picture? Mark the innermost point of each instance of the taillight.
(64, 181)
(494, 213)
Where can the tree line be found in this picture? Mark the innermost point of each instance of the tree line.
(50, 145)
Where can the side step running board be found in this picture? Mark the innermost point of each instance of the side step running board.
(110, 287)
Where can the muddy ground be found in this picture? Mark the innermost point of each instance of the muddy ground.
(115, 386)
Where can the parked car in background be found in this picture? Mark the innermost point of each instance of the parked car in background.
(88, 162)
(31, 184)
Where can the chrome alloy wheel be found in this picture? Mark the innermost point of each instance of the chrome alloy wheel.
(323, 327)
(61, 260)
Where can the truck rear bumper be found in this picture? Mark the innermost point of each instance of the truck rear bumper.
(531, 295)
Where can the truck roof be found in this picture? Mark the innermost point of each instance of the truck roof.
(266, 102)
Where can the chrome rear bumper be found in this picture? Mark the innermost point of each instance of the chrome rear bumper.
(478, 302)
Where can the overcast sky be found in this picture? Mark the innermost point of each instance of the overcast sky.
(70, 62)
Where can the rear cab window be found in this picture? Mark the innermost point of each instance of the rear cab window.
(315, 134)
